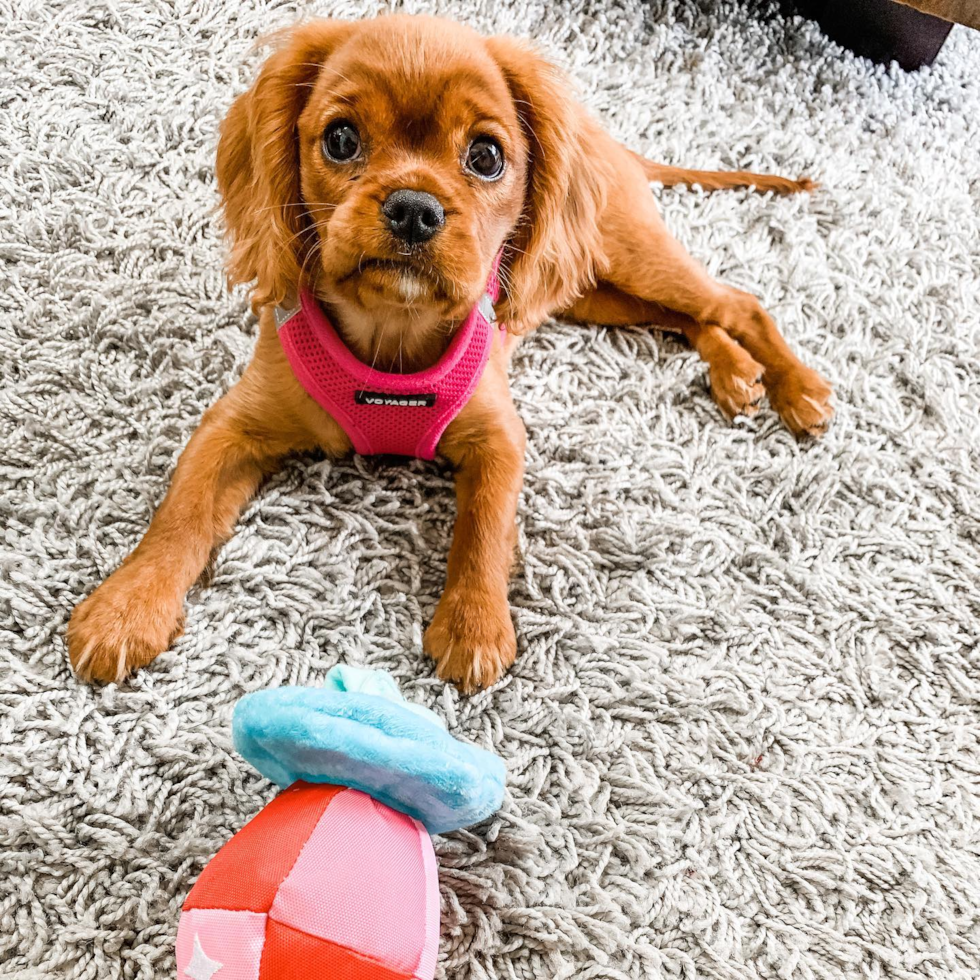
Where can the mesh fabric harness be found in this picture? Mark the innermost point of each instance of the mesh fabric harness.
(381, 412)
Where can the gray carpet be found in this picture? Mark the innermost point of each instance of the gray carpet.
(742, 731)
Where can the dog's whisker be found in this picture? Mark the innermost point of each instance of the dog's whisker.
(312, 207)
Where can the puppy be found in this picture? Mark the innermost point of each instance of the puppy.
(381, 169)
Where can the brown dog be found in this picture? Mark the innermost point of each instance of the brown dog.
(342, 116)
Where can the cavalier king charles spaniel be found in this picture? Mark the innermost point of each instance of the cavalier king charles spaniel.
(382, 169)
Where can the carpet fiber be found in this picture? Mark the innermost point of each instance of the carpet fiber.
(742, 731)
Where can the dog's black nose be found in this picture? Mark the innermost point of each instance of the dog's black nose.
(413, 216)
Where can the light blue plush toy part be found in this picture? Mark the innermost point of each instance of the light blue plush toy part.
(358, 731)
(364, 680)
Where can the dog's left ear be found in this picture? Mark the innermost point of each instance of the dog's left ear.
(551, 257)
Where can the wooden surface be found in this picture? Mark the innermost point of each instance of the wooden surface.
(958, 11)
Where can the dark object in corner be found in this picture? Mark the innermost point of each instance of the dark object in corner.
(881, 29)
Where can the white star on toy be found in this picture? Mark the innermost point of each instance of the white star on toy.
(201, 967)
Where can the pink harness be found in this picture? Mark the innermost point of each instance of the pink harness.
(400, 414)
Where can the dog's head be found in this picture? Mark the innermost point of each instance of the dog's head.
(384, 163)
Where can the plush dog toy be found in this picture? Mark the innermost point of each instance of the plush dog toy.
(336, 877)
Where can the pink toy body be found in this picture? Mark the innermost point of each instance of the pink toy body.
(324, 882)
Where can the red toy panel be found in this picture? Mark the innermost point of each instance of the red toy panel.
(293, 955)
(247, 872)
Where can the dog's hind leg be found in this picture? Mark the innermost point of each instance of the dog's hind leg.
(642, 259)
(734, 374)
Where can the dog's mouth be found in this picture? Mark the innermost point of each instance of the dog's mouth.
(396, 265)
(402, 280)
(406, 266)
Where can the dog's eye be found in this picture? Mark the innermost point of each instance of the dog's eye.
(341, 141)
(485, 158)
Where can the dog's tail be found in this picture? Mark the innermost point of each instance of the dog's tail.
(715, 180)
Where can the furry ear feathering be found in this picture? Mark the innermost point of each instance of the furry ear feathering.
(258, 165)
(555, 250)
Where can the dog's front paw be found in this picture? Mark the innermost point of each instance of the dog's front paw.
(471, 638)
(803, 400)
(131, 617)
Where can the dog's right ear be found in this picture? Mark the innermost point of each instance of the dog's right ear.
(258, 164)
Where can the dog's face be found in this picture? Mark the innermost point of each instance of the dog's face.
(384, 163)
(412, 166)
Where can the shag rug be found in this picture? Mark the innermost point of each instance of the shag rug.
(742, 731)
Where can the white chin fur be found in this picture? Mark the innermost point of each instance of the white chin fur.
(409, 287)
